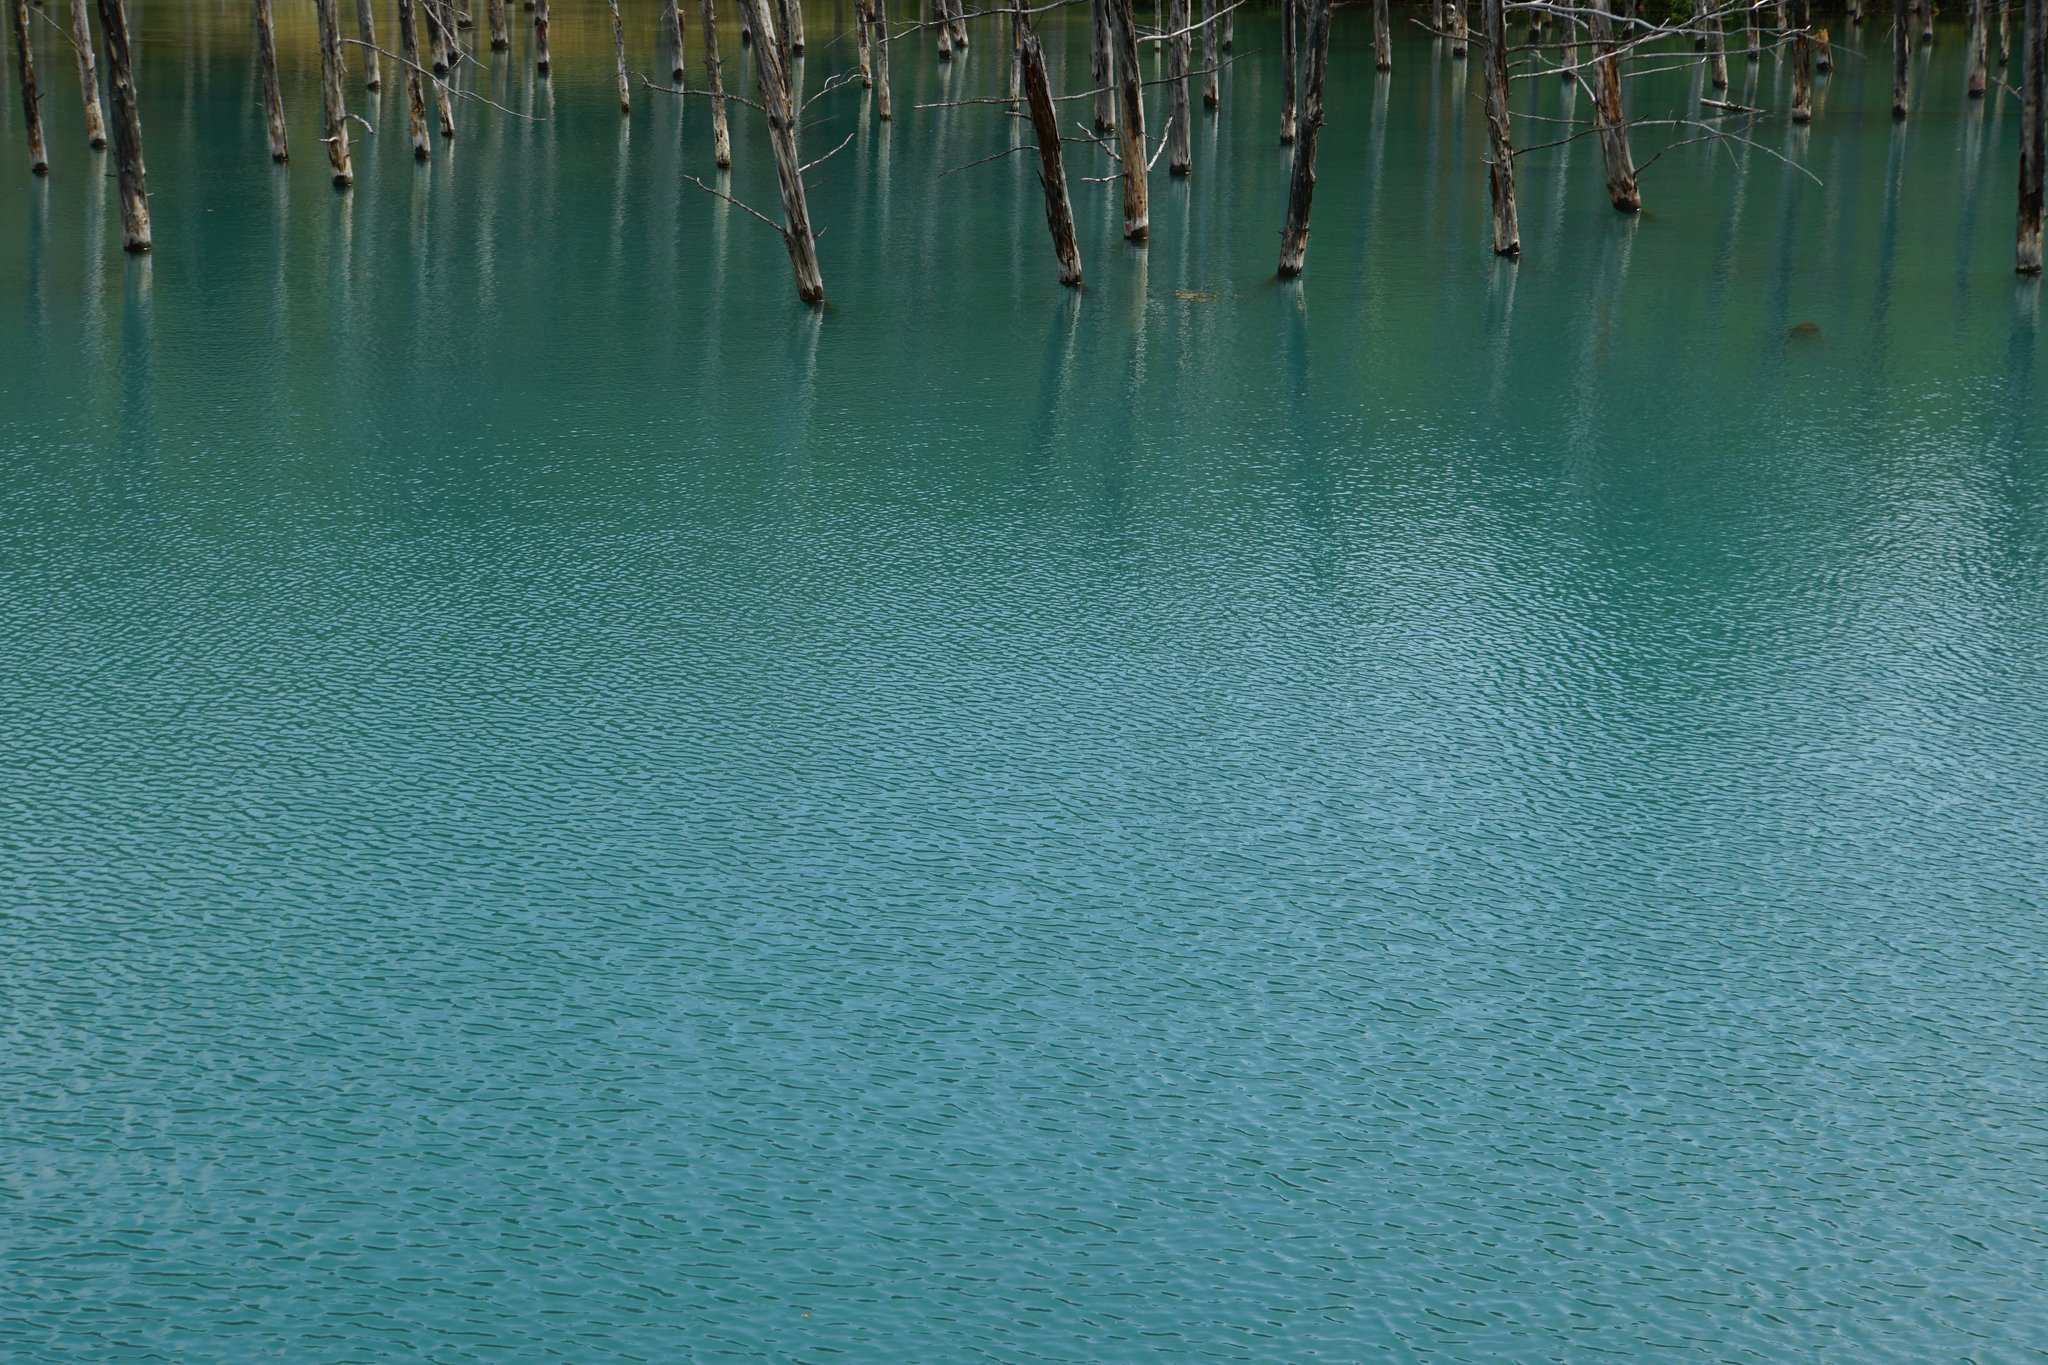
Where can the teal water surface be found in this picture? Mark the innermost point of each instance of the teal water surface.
(556, 804)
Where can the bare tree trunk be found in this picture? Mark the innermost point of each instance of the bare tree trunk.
(1130, 122)
(1717, 47)
(1569, 67)
(1755, 51)
(501, 35)
(619, 57)
(1212, 29)
(31, 101)
(781, 116)
(1455, 13)
(945, 29)
(714, 76)
(333, 99)
(1980, 49)
(88, 76)
(1016, 54)
(1099, 65)
(1302, 185)
(1045, 124)
(672, 29)
(1927, 21)
(1180, 155)
(1229, 26)
(1901, 35)
(1823, 53)
(273, 96)
(415, 96)
(366, 29)
(1802, 62)
(1500, 145)
(2004, 32)
(879, 9)
(128, 127)
(1609, 118)
(542, 58)
(1382, 38)
(863, 32)
(959, 24)
(1289, 9)
(2033, 98)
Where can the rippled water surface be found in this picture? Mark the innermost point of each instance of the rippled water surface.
(554, 804)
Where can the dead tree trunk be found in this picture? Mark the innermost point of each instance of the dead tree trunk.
(366, 29)
(1500, 144)
(88, 76)
(1099, 65)
(1180, 155)
(1901, 37)
(1823, 53)
(714, 77)
(781, 115)
(1016, 54)
(2004, 32)
(1455, 21)
(959, 24)
(2033, 94)
(1755, 51)
(1288, 10)
(1717, 47)
(1382, 38)
(1609, 118)
(134, 181)
(542, 58)
(31, 101)
(672, 29)
(879, 9)
(796, 26)
(1302, 185)
(1130, 122)
(1980, 49)
(1211, 33)
(1052, 176)
(273, 96)
(333, 99)
(619, 58)
(501, 35)
(415, 96)
(863, 46)
(1802, 62)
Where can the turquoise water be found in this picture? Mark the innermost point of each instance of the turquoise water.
(557, 804)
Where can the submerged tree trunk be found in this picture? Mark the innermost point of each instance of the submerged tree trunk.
(273, 97)
(879, 12)
(31, 101)
(1289, 9)
(863, 33)
(1454, 19)
(1130, 122)
(781, 116)
(366, 29)
(88, 76)
(1211, 28)
(501, 36)
(542, 58)
(333, 99)
(619, 57)
(127, 115)
(672, 33)
(714, 76)
(2033, 93)
(1609, 118)
(1301, 188)
(1802, 63)
(1980, 50)
(2004, 31)
(1052, 176)
(1180, 156)
(1717, 47)
(1901, 36)
(1500, 145)
(1382, 38)
(1099, 65)
(415, 95)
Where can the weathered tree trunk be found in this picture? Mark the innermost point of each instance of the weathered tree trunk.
(1289, 9)
(1180, 154)
(273, 96)
(437, 36)
(879, 9)
(88, 76)
(714, 76)
(619, 58)
(501, 34)
(1301, 187)
(1382, 38)
(415, 95)
(1901, 35)
(31, 101)
(2033, 105)
(781, 116)
(1212, 29)
(1130, 122)
(1980, 49)
(1802, 62)
(959, 8)
(1500, 143)
(1099, 65)
(1717, 47)
(945, 30)
(1755, 51)
(1927, 21)
(1016, 54)
(1455, 16)
(863, 31)
(1823, 53)
(1229, 26)
(333, 99)
(542, 58)
(134, 181)
(1610, 120)
(1699, 24)
(366, 29)
(796, 26)
(1569, 67)
(1052, 176)
(672, 31)
(2004, 32)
